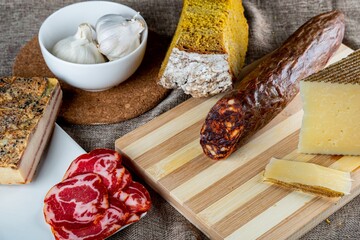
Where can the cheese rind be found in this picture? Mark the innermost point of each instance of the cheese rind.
(211, 70)
(308, 177)
(331, 103)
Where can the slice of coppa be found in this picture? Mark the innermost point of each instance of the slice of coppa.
(76, 202)
(308, 177)
(95, 199)
(271, 86)
(28, 110)
(208, 48)
(331, 103)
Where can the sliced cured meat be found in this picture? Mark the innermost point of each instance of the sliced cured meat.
(98, 161)
(116, 179)
(138, 199)
(76, 201)
(121, 195)
(126, 180)
(105, 162)
(134, 217)
(120, 207)
(95, 199)
(114, 218)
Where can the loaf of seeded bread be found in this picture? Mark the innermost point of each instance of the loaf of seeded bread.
(28, 109)
(208, 49)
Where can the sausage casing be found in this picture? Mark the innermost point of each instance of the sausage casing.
(267, 90)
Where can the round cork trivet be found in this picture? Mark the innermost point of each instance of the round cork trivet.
(135, 96)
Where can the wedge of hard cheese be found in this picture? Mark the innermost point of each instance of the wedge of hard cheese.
(28, 109)
(308, 177)
(331, 103)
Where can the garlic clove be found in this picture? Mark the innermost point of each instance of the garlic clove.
(79, 48)
(117, 36)
(112, 50)
(137, 26)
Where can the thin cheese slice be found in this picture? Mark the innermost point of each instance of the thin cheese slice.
(331, 103)
(308, 177)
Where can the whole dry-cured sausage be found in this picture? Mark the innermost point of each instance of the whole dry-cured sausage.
(76, 202)
(263, 93)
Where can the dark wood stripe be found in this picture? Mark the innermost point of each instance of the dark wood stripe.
(316, 206)
(186, 172)
(157, 153)
(174, 143)
(296, 220)
(159, 121)
(250, 209)
(263, 201)
(233, 180)
(325, 160)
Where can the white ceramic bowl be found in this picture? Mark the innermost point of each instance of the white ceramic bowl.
(90, 77)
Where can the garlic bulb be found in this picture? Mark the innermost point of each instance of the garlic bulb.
(79, 48)
(117, 36)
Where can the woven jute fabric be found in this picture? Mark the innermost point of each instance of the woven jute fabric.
(270, 23)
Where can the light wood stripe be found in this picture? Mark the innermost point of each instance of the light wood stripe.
(220, 169)
(245, 213)
(316, 205)
(186, 172)
(175, 160)
(259, 225)
(173, 144)
(325, 160)
(251, 209)
(226, 205)
(347, 163)
(169, 129)
(159, 121)
(233, 180)
(296, 156)
(281, 210)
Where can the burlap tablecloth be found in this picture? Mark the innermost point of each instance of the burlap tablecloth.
(271, 22)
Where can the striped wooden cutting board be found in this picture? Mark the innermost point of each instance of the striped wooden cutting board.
(226, 199)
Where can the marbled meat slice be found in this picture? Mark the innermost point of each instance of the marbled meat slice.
(117, 179)
(126, 180)
(138, 199)
(120, 207)
(105, 162)
(76, 202)
(114, 218)
(134, 217)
